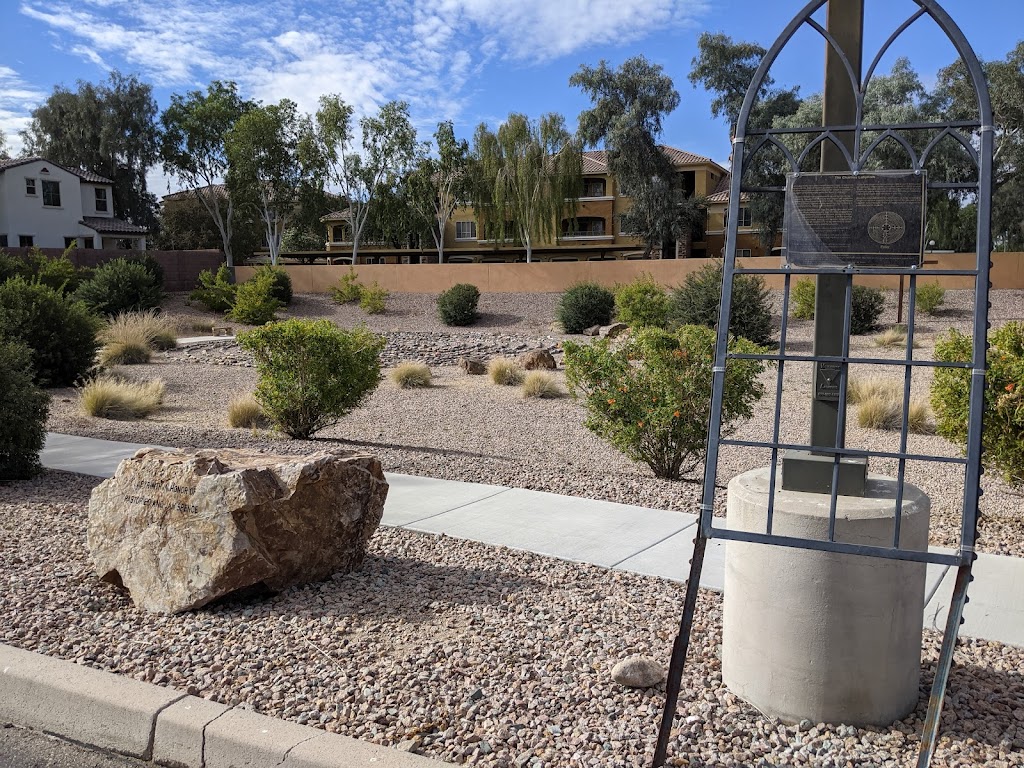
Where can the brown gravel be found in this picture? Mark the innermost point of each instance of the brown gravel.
(465, 652)
(475, 654)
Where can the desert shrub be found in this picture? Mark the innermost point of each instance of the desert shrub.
(254, 300)
(215, 291)
(698, 299)
(650, 397)
(374, 298)
(281, 283)
(120, 286)
(108, 397)
(149, 329)
(57, 273)
(245, 412)
(1003, 430)
(411, 375)
(23, 410)
(929, 297)
(866, 305)
(891, 337)
(801, 298)
(880, 412)
(60, 331)
(920, 418)
(859, 390)
(150, 264)
(541, 384)
(13, 266)
(641, 303)
(124, 353)
(505, 371)
(311, 373)
(348, 289)
(457, 305)
(584, 305)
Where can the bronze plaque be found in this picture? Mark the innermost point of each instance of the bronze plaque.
(865, 220)
(826, 381)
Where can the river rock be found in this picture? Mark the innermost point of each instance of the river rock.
(638, 672)
(538, 358)
(473, 365)
(179, 529)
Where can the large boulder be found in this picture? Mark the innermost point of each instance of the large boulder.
(473, 365)
(537, 359)
(180, 528)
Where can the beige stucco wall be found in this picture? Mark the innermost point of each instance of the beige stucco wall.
(1007, 272)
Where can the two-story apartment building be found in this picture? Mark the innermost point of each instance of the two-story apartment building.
(594, 233)
(46, 205)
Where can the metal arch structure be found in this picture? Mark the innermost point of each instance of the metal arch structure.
(977, 139)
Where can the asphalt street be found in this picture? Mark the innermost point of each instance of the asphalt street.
(20, 748)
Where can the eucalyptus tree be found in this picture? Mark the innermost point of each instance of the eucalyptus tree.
(386, 150)
(630, 105)
(527, 175)
(4, 153)
(264, 166)
(194, 150)
(437, 185)
(109, 128)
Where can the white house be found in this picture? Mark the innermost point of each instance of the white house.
(50, 206)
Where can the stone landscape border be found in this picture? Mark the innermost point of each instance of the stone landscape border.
(118, 714)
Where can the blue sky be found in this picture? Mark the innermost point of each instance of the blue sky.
(465, 60)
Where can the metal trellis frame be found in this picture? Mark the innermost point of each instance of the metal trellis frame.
(976, 137)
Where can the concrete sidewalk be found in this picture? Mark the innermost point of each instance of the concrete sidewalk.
(648, 541)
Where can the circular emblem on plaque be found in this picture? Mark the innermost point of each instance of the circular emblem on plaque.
(887, 227)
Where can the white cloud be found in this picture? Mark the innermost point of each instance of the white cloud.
(428, 52)
(17, 100)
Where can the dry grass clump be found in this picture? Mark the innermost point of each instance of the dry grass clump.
(896, 336)
(920, 419)
(411, 375)
(505, 371)
(879, 412)
(860, 390)
(541, 384)
(245, 412)
(154, 330)
(124, 353)
(882, 408)
(108, 397)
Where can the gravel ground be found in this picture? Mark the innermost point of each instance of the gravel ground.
(463, 652)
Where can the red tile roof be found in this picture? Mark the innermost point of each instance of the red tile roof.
(88, 176)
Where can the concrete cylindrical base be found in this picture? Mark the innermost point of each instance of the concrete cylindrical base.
(821, 636)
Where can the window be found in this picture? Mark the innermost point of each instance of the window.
(593, 188)
(30, 187)
(465, 230)
(101, 200)
(26, 241)
(338, 234)
(3, 241)
(51, 193)
(584, 226)
(744, 220)
(70, 242)
(742, 253)
(85, 242)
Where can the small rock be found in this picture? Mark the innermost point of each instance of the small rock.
(614, 330)
(473, 365)
(638, 672)
(409, 745)
(523, 759)
(538, 358)
(594, 330)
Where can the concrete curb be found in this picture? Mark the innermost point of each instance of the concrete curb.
(119, 714)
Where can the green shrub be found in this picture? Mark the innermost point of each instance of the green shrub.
(13, 266)
(311, 373)
(865, 307)
(120, 286)
(411, 375)
(57, 273)
(457, 305)
(373, 300)
(348, 288)
(281, 281)
(651, 396)
(585, 305)
(254, 300)
(801, 299)
(150, 264)
(215, 291)
(23, 410)
(929, 297)
(1003, 435)
(641, 303)
(60, 331)
(698, 299)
